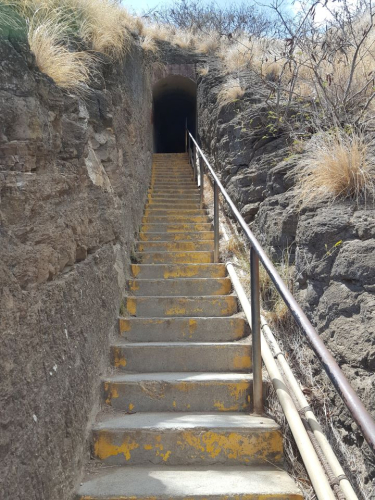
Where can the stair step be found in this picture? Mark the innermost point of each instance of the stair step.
(173, 392)
(187, 439)
(174, 257)
(175, 246)
(177, 236)
(172, 191)
(172, 205)
(170, 271)
(166, 176)
(265, 482)
(168, 212)
(180, 287)
(174, 197)
(159, 307)
(173, 219)
(182, 357)
(173, 227)
(197, 329)
(172, 184)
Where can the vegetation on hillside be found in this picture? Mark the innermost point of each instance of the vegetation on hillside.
(320, 76)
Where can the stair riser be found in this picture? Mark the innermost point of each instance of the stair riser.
(180, 396)
(173, 227)
(186, 358)
(174, 257)
(187, 447)
(166, 176)
(173, 191)
(167, 271)
(169, 184)
(180, 287)
(175, 219)
(176, 212)
(183, 329)
(192, 197)
(175, 246)
(163, 201)
(198, 236)
(161, 307)
(172, 205)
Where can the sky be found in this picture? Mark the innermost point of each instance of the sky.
(140, 5)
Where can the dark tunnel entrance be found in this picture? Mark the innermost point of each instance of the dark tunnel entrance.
(174, 100)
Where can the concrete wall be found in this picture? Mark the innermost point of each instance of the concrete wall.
(73, 180)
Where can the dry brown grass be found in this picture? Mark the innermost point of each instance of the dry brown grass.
(104, 26)
(148, 43)
(184, 39)
(56, 28)
(231, 91)
(70, 70)
(208, 43)
(158, 31)
(336, 165)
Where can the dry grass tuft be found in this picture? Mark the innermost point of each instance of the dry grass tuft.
(104, 26)
(184, 39)
(56, 29)
(336, 165)
(207, 44)
(158, 31)
(148, 43)
(275, 309)
(69, 70)
(231, 91)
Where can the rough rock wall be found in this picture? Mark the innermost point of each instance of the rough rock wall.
(73, 180)
(334, 284)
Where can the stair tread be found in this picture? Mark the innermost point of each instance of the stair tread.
(245, 341)
(186, 482)
(185, 420)
(179, 377)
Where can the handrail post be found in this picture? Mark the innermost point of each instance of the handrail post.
(216, 222)
(194, 150)
(201, 173)
(255, 331)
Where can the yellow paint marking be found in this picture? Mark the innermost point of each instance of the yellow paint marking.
(221, 407)
(239, 389)
(242, 362)
(192, 326)
(148, 447)
(118, 358)
(111, 392)
(133, 285)
(166, 456)
(175, 311)
(104, 447)
(234, 446)
(131, 306)
(131, 407)
(125, 325)
(135, 268)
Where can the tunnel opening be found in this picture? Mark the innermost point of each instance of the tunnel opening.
(174, 104)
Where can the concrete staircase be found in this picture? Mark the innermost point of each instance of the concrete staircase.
(177, 422)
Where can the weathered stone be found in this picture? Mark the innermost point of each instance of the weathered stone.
(72, 193)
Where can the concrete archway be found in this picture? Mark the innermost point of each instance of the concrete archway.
(174, 102)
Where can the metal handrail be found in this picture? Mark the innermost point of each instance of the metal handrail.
(357, 409)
